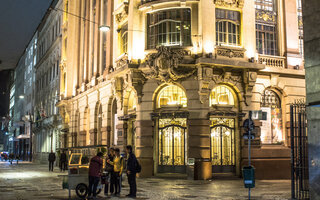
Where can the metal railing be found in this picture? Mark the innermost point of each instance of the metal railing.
(299, 151)
(272, 61)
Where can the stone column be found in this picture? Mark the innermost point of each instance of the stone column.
(144, 146)
(311, 25)
(199, 147)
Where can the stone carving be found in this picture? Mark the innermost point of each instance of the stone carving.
(249, 79)
(117, 85)
(122, 62)
(137, 81)
(122, 13)
(164, 65)
(265, 16)
(229, 3)
(231, 53)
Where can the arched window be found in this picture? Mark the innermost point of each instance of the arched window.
(171, 95)
(271, 131)
(221, 95)
(227, 27)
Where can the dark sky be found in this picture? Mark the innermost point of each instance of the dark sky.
(18, 21)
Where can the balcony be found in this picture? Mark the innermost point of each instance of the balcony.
(272, 61)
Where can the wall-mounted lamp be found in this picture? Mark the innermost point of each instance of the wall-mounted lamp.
(251, 59)
(209, 55)
(21, 97)
(296, 67)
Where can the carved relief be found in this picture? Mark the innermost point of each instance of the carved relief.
(122, 62)
(249, 80)
(229, 3)
(122, 13)
(231, 53)
(137, 80)
(265, 16)
(164, 65)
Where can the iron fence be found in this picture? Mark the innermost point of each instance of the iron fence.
(299, 151)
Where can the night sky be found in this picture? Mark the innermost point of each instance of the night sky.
(18, 22)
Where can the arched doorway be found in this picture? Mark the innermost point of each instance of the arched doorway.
(172, 130)
(222, 130)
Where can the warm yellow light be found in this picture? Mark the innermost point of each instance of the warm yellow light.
(208, 47)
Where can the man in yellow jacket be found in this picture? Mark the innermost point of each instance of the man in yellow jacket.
(118, 168)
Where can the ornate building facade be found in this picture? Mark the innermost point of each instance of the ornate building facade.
(176, 80)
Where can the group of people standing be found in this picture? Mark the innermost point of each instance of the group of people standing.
(114, 167)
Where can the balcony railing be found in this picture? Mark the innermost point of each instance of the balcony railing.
(272, 61)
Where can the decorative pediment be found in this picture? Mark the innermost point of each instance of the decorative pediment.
(165, 65)
(229, 3)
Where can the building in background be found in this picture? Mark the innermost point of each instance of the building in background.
(47, 86)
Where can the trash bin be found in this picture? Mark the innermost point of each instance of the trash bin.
(248, 176)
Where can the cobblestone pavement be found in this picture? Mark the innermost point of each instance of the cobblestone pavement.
(28, 181)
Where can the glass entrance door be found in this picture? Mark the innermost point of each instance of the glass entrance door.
(222, 145)
(172, 140)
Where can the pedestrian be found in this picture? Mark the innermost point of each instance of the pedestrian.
(109, 169)
(132, 164)
(117, 171)
(51, 159)
(11, 157)
(63, 161)
(95, 170)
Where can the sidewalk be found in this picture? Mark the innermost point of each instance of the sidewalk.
(31, 181)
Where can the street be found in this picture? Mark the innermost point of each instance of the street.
(32, 181)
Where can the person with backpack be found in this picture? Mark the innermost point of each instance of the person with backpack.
(133, 167)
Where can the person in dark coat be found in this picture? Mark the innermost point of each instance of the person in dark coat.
(51, 159)
(95, 170)
(109, 169)
(131, 172)
(63, 161)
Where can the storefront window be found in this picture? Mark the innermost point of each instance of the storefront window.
(271, 130)
(172, 95)
(221, 95)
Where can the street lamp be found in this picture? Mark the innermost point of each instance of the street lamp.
(102, 28)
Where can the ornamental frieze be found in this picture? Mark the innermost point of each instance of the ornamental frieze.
(230, 52)
(165, 64)
(121, 13)
(229, 3)
(266, 16)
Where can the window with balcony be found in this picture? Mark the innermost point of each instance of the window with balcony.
(266, 27)
(169, 28)
(227, 27)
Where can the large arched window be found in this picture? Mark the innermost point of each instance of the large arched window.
(271, 130)
(170, 27)
(227, 27)
(221, 95)
(171, 95)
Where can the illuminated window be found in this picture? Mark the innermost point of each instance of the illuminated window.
(132, 101)
(221, 95)
(172, 95)
(124, 39)
(271, 130)
(169, 28)
(227, 27)
(266, 27)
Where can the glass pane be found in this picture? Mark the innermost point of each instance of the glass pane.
(221, 95)
(178, 146)
(216, 146)
(172, 95)
(165, 153)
